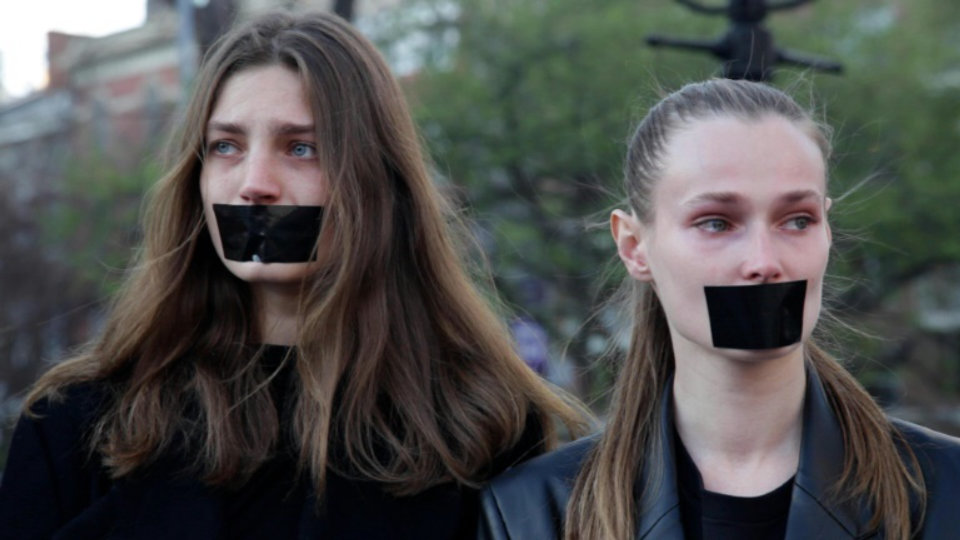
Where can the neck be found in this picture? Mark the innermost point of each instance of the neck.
(740, 419)
(277, 313)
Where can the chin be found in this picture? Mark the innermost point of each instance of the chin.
(270, 273)
(762, 355)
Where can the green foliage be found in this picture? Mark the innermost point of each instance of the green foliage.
(529, 113)
(92, 224)
(529, 106)
(898, 113)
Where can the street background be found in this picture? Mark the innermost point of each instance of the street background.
(525, 106)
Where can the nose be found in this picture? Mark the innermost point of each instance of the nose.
(763, 263)
(260, 183)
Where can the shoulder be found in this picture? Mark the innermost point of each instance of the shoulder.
(529, 500)
(79, 402)
(932, 448)
(63, 420)
(938, 455)
(50, 475)
(559, 465)
(57, 426)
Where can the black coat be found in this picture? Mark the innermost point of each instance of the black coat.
(53, 488)
(529, 501)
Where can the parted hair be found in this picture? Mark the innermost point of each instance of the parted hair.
(404, 374)
(604, 501)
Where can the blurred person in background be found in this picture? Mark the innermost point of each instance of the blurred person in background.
(728, 420)
(298, 352)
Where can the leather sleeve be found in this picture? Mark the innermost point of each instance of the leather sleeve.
(939, 458)
(30, 502)
(48, 478)
(528, 502)
(490, 525)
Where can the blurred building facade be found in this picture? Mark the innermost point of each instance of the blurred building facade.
(121, 91)
(109, 100)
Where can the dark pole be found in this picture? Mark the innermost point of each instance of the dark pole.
(344, 8)
(186, 45)
(212, 20)
(747, 49)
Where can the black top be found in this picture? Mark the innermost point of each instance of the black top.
(715, 516)
(530, 500)
(275, 489)
(52, 488)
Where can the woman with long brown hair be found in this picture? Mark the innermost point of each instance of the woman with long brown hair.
(299, 351)
(728, 420)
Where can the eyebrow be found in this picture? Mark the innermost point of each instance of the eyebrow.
(284, 128)
(723, 197)
(729, 197)
(801, 195)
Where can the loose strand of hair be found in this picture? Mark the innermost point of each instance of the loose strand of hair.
(874, 452)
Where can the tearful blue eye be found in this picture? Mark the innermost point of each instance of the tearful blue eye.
(800, 223)
(714, 225)
(303, 150)
(223, 148)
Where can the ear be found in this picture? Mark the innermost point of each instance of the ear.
(628, 234)
(827, 204)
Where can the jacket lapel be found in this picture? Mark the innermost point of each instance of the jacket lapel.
(660, 509)
(812, 513)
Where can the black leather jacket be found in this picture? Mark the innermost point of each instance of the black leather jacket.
(529, 501)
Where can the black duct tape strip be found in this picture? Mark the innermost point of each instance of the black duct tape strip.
(268, 233)
(763, 316)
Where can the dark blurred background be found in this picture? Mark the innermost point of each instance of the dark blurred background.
(525, 106)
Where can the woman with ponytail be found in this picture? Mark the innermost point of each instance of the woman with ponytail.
(728, 420)
(299, 352)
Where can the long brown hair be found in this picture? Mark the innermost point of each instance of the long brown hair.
(603, 504)
(404, 373)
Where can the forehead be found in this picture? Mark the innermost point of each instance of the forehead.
(260, 92)
(750, 157)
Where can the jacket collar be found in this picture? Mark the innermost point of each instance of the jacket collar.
(660, 508)
(812, 513)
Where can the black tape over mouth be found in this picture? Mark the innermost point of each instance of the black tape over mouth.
(765, 316)
(268, 233)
